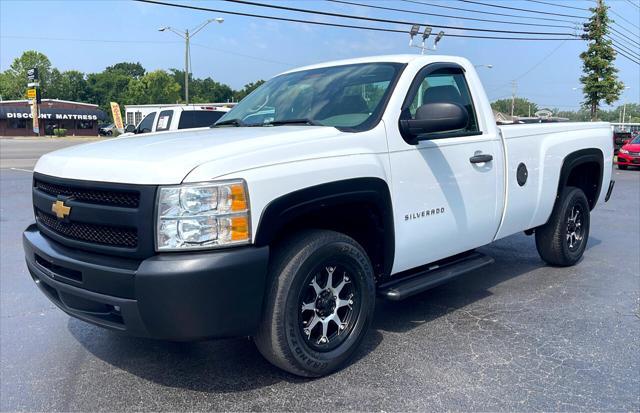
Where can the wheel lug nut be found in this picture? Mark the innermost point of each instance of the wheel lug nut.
(323, 340)
(342, 327)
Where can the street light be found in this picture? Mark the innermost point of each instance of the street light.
(624, 108)
(187, 36)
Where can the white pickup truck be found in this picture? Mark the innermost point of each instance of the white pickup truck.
(178, 117)
(326, 187)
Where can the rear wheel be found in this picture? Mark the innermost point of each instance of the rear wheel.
(563, 239)
(319, 304)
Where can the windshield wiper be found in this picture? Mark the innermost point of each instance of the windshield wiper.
(229, 122)
(300, 121)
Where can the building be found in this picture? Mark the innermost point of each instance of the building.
(133, 114)
(79, 119)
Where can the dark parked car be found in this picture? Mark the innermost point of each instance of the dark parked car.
(107, 129)
(619, 139)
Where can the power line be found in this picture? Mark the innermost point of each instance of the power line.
(88, 40)
(346, 26)
(524, 10)
(424, 3)
(244, 55)
(66, 39)
(622, 42)
(544, 59)
(556, 4)
(622, 35)
(373, 19)
(633, 4)
(625, 55)
(612, 11)
(371, 6)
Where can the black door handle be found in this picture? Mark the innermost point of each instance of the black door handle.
(481, 158)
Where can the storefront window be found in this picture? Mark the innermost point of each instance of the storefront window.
(85, 124)
(67, 124)
(19, 123)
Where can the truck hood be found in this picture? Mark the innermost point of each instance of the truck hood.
(167, 158)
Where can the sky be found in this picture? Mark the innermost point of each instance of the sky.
(91, 35)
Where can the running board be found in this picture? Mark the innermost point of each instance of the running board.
(432, 276)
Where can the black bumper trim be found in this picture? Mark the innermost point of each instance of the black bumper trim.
(178, 296)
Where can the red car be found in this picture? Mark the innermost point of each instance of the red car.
(629, 154)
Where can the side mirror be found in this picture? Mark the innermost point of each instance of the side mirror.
(432, 118)
(626, 141)
(130, 128)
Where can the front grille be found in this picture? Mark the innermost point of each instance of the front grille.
(634, 153)
(97, 234)
(124, 199)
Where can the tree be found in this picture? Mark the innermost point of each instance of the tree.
(133, 70)
(248, 88)
(107, 86)
(14, 80)
(523, 107)
(154, 87)
(203, 90)
(68, 85)
(600, 78)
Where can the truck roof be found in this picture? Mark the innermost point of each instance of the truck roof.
(398, 58)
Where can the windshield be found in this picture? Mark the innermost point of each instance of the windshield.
(635, 140)
(350, 96)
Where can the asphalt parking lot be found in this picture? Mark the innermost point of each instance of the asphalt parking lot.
(514, 336)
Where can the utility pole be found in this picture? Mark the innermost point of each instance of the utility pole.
(186, 67)
(594, 104)
(514, 88)
(187, 37)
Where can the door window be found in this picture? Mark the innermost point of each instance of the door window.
(164, 120)
(439, 86)
(146, 125)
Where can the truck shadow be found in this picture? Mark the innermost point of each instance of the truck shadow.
(215, 366)
(235, 365)
(514, 256)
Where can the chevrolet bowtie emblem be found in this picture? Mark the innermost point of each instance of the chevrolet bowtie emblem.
(60, 209)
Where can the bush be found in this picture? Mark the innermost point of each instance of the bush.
(60, 132)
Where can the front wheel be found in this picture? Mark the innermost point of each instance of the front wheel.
(319, 305)
(563, 239)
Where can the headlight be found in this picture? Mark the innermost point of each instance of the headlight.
(623, 151)
(204, 215)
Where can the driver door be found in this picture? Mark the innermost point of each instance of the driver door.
(445, 202)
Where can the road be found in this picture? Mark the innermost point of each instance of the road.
(515, 336)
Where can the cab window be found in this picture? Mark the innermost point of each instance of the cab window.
(445, 85)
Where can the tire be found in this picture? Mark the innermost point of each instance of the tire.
(563, 239)
(623, 167)
(292, 330)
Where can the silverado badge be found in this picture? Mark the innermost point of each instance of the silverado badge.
(60, 209)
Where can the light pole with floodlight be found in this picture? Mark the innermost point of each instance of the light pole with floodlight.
(187, 36)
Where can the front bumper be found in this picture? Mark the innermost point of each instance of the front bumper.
(624, 159)
(178, 296)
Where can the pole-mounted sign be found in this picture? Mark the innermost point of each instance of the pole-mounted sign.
(32, 74)
(34, 95)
